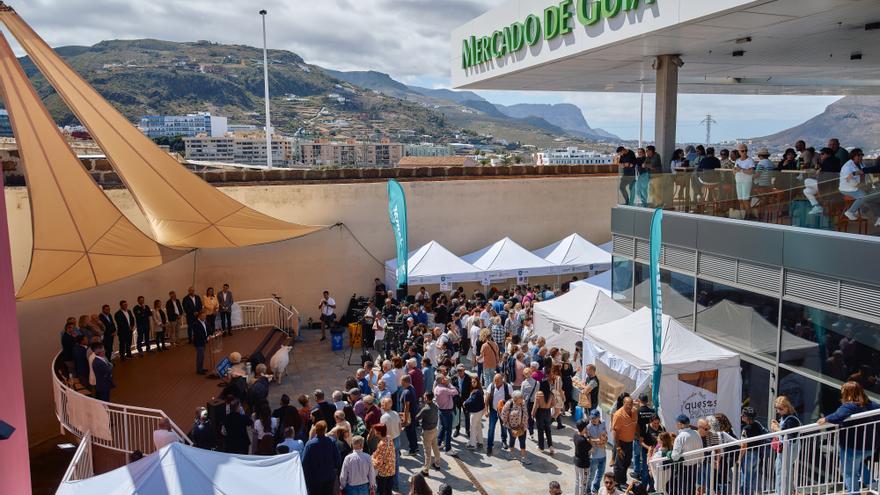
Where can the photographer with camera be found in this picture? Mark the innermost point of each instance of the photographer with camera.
(367, 321)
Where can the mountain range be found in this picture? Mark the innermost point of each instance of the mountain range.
(855, 120)
(150, 77)
(565, 116)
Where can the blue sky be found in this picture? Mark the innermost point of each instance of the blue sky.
(408, 39)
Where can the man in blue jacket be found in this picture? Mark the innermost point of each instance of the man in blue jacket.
(320, 461)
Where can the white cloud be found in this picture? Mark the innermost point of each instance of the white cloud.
(405, 38)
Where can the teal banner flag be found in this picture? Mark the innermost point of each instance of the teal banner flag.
(397, 216)
(656, 303)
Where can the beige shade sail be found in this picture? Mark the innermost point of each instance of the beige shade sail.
(80, 238)
(183, 210)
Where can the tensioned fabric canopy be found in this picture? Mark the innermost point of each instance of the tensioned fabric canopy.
(506, 259)
(576, 254)
(183, 210)
(432, 264)
(179, 469)
(80, 238)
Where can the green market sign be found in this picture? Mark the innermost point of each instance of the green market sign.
(557, 21)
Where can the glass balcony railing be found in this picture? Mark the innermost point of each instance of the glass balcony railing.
(801, 198)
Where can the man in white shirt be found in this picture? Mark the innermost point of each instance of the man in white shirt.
(687, 440)
(850, 186)
(357, 470)
(327, 306)
(164, 435)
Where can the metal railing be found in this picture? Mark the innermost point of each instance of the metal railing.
(112, 426)
(810, 459)
(268, 312)
(81, 466)
(799, 198)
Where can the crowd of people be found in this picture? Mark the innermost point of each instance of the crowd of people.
(87, 342)
(458, 372)
(745, 181)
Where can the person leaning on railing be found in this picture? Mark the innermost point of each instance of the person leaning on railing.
(785, 446)
(856, 440)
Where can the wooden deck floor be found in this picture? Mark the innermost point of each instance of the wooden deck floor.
(168, 381)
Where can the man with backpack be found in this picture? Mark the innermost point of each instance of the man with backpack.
(498, 393)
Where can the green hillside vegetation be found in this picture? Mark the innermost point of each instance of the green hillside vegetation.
(143, 77)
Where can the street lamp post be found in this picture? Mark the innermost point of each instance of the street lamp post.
(266, 93)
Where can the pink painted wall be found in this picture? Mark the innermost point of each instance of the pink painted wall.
(15, 476)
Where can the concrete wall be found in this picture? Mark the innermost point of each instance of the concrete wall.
(464, 215)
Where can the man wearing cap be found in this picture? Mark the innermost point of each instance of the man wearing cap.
(686, 441)
(640, 454)
(597, 432)
(750, 458)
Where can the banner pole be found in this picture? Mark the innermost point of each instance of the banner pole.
(656, 242)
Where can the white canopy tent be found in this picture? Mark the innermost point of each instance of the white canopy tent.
(179, 469)
(563, 320)
(601, 281)
(576, 254)
(432, 264)
(507, 259)
(698, 378)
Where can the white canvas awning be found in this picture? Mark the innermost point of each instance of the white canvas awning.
(432, 264)
(698, 376)
(507, 259)
(179, 469)
(601, 281)
(576, 254)
(563, 320)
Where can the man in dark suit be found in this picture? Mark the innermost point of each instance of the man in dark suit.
(192, 304)
(225, 299)
(462, 382)
(200, 340)
(81, 360)
(109, 328)
(142, 316)
(103, 373)
(174, 311)
(125, 323)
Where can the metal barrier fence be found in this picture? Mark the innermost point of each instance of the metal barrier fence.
(112, 426)
(811, 459)
(268, 312)
(81, 466)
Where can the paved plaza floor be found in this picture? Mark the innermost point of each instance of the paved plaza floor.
(314, 365)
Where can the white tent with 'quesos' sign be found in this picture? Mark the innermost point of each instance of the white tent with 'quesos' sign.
(699, 378)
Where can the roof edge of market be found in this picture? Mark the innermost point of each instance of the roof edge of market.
(556, 20)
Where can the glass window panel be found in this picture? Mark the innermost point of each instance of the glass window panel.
(621, 280)
(677, 290)
(810, 398)
(737, 318)
(836, 347)
(756, 382)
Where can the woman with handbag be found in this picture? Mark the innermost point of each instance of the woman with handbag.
(557, 388)
(785, 446)
(515, 417)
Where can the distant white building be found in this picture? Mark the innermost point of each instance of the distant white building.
(428, 149)
(247, 150)
(189, 125)
(571, 156)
